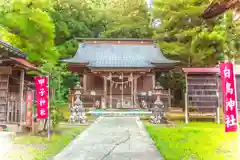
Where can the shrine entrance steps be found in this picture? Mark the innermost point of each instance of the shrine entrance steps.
(120, 113)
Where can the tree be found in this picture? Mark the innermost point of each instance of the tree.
(125, 19)
(186, 36)
(27, 25)
(72, 19)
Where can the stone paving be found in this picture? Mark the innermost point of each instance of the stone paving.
(112, 138)
(5, 144)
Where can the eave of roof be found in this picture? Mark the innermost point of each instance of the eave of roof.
(113, 39)
(12, 49)
(201, 70)
(25, 63)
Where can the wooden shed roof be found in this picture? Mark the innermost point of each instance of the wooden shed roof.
(218, 7)
(16, 55)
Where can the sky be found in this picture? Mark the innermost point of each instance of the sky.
(150, 3)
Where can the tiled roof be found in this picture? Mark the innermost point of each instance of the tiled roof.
(118, 55)
(15, 51)
(25, 63)
(17, 55)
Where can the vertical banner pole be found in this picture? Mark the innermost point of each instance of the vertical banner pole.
(235, 86)
(33, 115)
(49, 119)
(231, 114)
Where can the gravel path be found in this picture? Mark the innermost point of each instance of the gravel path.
(112, 138)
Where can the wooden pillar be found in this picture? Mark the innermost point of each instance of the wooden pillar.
(169, 98)
(186, 100)
(135, 92)
(132, 101)
(153, 80)
(104, 91)
(21, 90)
(110, 74)
(84, 82)
(218, 106)
(122, 92)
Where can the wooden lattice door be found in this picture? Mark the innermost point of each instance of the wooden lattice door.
(4, 81)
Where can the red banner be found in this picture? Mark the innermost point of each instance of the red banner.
(42, 97)
(29, 103)
(229, 96)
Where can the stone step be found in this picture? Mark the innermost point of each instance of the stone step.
(120, 113)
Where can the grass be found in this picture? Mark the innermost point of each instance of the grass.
(63, 108)
(194, 141)
(53, 146)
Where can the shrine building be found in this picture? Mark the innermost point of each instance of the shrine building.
(15, 82)
(117, 72)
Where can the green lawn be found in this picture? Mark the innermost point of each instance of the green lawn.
(194, 141)
(50, 147)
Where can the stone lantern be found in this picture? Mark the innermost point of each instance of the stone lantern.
(158, 109)
(77, 109)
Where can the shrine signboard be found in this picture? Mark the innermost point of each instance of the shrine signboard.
(29, 104)
(42, 97)
(229, 96)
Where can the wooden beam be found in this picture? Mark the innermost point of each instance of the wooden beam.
(121, 69)
(84, 82)
(5, 70)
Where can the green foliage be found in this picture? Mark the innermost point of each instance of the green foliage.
(27, 25)
(72, 18)
(175, 81)
(185, 36)
(198, 141)
(56, 115)
(194, 41)
(124, 19)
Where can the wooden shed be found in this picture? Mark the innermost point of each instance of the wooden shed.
(14, 82)
(204, 91)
